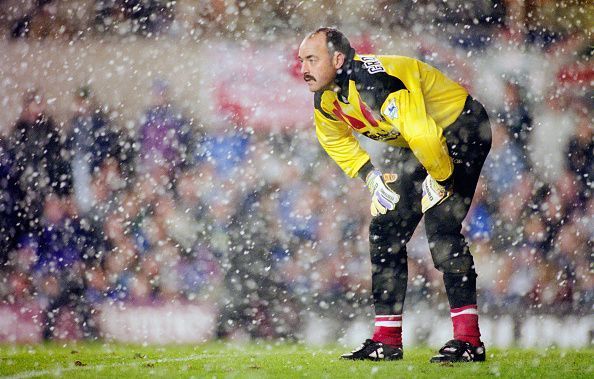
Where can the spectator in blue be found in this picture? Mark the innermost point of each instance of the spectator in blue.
(58, 249)
(481, 222)
(61, 253)
(226, 151)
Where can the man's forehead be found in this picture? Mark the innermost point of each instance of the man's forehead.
(313, 44)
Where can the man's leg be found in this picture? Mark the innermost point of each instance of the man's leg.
(388, 235)
(452, 257)
(469, 144)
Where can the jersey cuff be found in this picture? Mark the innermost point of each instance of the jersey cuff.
(365, 170)
(447, 182)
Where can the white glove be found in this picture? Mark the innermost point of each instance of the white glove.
(433, 193)
(383, 199)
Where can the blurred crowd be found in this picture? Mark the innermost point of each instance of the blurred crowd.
(264, 226)
(468, 24)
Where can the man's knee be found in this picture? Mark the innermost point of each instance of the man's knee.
(456, 264)
(450, 253)
(388, 260)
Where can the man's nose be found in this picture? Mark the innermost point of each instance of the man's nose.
(304, 68)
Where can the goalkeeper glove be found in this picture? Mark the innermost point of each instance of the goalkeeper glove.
(434, 193)
(383, 198)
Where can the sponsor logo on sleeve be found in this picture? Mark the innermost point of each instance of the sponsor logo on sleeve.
(391, 111)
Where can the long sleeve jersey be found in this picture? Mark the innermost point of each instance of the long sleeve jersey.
(398, 100)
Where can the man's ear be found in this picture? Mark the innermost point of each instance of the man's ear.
(338, 60)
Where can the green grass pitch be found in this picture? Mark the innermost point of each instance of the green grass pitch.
(275, 360)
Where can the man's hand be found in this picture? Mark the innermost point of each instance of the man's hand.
(433, 193)
(383, 199)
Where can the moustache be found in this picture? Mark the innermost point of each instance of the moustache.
(309, 77)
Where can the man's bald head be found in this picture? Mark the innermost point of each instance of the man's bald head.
(335, 40)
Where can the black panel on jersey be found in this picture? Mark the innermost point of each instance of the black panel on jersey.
(343, 75)
(318, 105)
(374, 88)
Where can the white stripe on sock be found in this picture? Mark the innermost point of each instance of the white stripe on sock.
(393, 324)
(388, 317)
(469, 311)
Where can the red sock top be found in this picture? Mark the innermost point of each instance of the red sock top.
(466, 327)
(388, 330)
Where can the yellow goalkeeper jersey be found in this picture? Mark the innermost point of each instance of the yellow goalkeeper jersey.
(398, 100)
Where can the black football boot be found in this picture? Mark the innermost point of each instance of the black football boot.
(460, 351)
(374, 351)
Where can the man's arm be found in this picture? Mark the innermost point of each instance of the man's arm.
(338, 141)
(406, 111)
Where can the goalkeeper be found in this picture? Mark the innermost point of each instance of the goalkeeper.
(442, 137)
